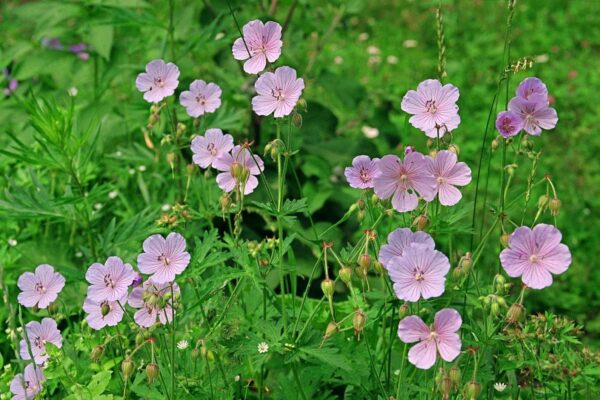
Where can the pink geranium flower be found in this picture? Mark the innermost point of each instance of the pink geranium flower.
(261, 43)
(109, 281)
(508, 123)
(441, 338)
(360, 175)
(202, 98)
(535, 254)
(449, 173)
(104, 313)
(37, 336)
(164, 258)
(534, 112)
(419, 272)
(40, 288)
(433, 107)
(211, 146)
(151, 303)
(27, 385)
(278, 92)
(399, 240)
(532, 86)
(404, 180)
(159, 81)
(236, 166)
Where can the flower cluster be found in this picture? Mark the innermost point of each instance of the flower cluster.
(529, 110)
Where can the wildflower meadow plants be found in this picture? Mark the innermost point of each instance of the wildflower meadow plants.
(198, 261)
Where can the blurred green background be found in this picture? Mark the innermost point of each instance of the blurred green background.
(358, 59)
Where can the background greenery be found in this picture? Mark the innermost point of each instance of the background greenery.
(358, 59)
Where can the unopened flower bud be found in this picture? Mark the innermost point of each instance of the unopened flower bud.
(554, 206)
(455, 375)
(361, 204)
(515, 313)
(495, 144)
(420, 222)
(331, 330)
(454, 148)
(378, 267)
(510, 169)
(181, 128)
(457, 273)
(225, 202)
(501, 301)
(466, 262)
(97, 353)
(171, 159)
(430, 143)
(327, 287)
(495, 309)
(364, 261)
(504, 239)
(543, 201)
(139, 339)
(151, 372)
(358, 321)
(190, 168)
(104, 309)
(127, 367)
(472, 390)
(345, 275)
(301, 104)
(195, 353)
(526, 143)
(361, 272)
(297, 119)
(403, 310)
(361, 215)
(374, 199)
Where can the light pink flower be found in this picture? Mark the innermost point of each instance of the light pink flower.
(278, 92)
(419, 272)
(27, 385)
(532, 86)
(159, 81)
(433, 107)
(360, 175)
(209, 147)
(151, 303)
(164, 258)
(109, 281)
(535, 254)
(403, 180)
(241, 162)
(448, 174)
(38, 335)
(40, 288)
(400, 239)
(201, 98)
(261, 43)
(104, 313)
(440, 338)
(535, 113)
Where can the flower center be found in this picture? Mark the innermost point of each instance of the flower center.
(534, 258)
(201, 100)
(440, 180)
(419, 276)
(109, 281)
(507, 126)
(38, 342)
(212, 149)
(39, 287)
(278, 94)
(164, 259)
(364, 175)
(431, 107)
(404, 178)
(433, 335)
(159, 82)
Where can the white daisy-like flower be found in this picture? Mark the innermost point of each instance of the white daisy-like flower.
(182, 344)
(500, 386)
(263, 347)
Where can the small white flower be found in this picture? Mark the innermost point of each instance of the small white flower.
(219, 36)
(263, 347)
(131, 171)
(142, 168)
(12, 242)
(182, 344)
(370, 132)
(165, 207)
(500, 386)
(113, 194)
(237, 378)
(72, 91)
(78, 254)
(410, 43)
(392, 59)
(98, 206)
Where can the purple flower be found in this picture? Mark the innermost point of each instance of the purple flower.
(360, 175)
(400, 239)
(201, 98)
(433, 107)
(508, 123)
(211, 146)
(534, 112)
(532, 86)
(101, 314)
(236, 166)
(137, 281)
(109, 281)
(440, 338)
(261, 43)
(27, 385)
(403, 180)
(38, 335)
(77, 48)
(164, 258)
(40, 288)
(278, 92)
(159, 81)
(535, 254)
(448, 174)
(83, 55)
(52, 43)
(419, 272)
(152, 304)
(408, 149)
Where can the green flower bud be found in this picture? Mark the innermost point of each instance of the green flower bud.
(331, 330)
(472, 390)
(495, 144)
(97, 353)
(378, 267)
(420, 222)
(455, 375)
(454, 148)
(364, 261)
(515, 313)
(543, 201)
(359, 321)
(151, 372)
(554, 206)
(127, 367)
(495, 309)
(104, 309)
(403, 311)
(504, 239)
(327, 288)
(297, 119)
(345, 275)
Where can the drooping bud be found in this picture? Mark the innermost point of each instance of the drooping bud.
(420, 222)
(361, 215)
(455, 375)
(454, 148)
(139, 339)
(457, 273)
(495, 144)
(171, 159)
(331, 330)
(495, 309)
(345, 275)
(104, 309)
(504, 239)
(433, 153)
(195, 353)
(327, 287)
(225, 202)
(472, 390)
(378, 267)
(543, 201)
(151, 372)
(466, 262)
(301, 104)
(430, 143)
(374, 199)
(239, 172)
(526, 144)
(97, 353)
(403, 310)
(297, 120)
(515, 313)
(181, 128)
(361, 272)
(127, 367)
(364, 261)
(358, 321)
(554, 206)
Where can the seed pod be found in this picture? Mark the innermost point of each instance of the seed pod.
(364, 261)
(403, 311)
(495, 144)
(515, 313)
(554, 206)
(358, 321)
(421, 222)
(151, 372)
(378, 267)
(225, 202)
(455, 375)
(504, 239)
(97, 353)
(297, 119)
(327, 288)
(495, 309)
(361, 215)
(127, 367)
(237, 170)
(472, 390)
(466, 262)
(331, 330)
(457, 273)
(345, 275)
(543, 201)
(454, 148)
(104, 309)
